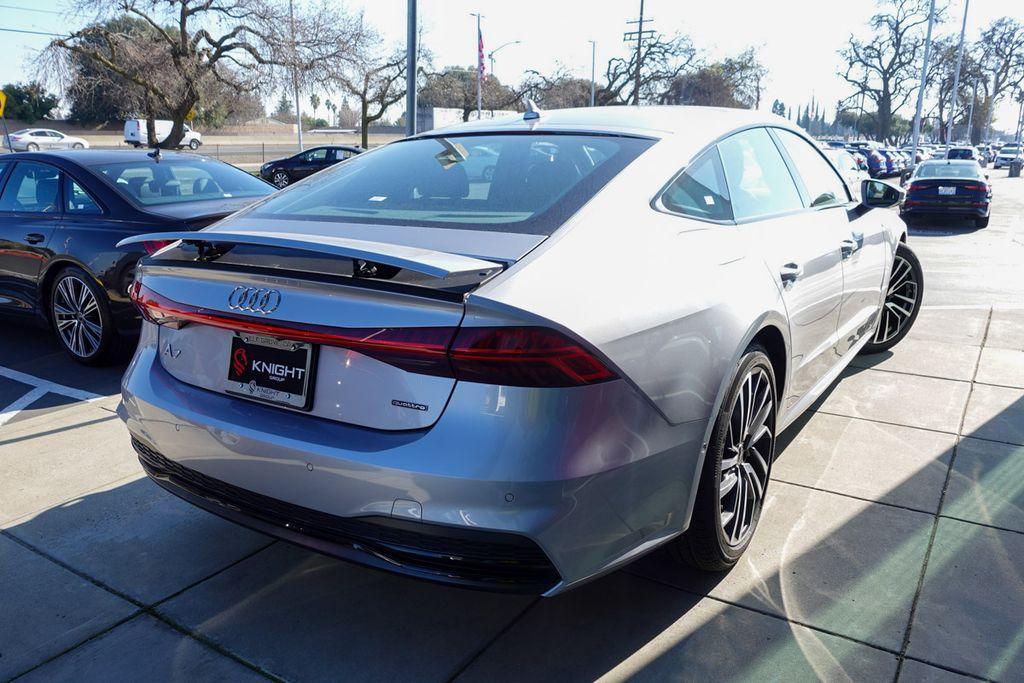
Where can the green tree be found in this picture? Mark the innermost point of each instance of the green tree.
(284, 111)
(28, 102)
(314, 101)
(779, 108)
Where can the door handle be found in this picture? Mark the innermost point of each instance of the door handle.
(34, 238)
(851, 244)
(790, 273)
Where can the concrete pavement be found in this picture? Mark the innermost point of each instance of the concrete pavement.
(892, 544)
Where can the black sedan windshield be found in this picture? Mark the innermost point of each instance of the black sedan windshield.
(526, 183)
(178, 180)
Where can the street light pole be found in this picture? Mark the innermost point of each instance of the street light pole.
(410, 70)
(920, 86)
(956, 76)
(593, 54)
(295, 74)
(490, 55)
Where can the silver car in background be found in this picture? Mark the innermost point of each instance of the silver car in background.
(523, 380)
(35, 139)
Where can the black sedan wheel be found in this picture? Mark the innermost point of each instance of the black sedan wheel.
(737, 466)
(81, 317)
(281, 178)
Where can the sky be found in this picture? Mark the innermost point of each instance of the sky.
(797, 39)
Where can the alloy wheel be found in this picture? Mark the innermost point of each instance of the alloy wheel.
(900, 301)
(77, 317)
(281, 179)
(749, 448)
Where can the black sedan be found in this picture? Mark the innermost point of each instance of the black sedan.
(283, 172)
(948, 188)
(61, 213)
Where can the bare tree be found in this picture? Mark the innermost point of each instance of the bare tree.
(940, 80)
(560, 90)
(242, 44)
(662, 61)
(376, 83)
(885, 68)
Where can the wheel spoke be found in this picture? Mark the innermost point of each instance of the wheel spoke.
(728, 483)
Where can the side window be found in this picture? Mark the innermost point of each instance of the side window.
(824, 186)
(759, 180)
(315, 155)
(700, 190)
(77, 201)
(32, 188)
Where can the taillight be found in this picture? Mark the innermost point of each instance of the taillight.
(154, 246)
(976, 188)
(524, 356)
(515, 356)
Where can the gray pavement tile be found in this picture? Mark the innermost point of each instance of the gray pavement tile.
(45, 609)
(625, 627)
(138, 539)
(918, 672)
(843, 565)
(925, 357)
(995, 413)
(143, 649)
(1004, 367)
(53, 458)
(969, 613)
(909, 400)
(987, 484)
(881, 462)
(966, 326)
(1006, 331)
(279, 606)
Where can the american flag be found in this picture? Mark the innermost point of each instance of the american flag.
(480, 51)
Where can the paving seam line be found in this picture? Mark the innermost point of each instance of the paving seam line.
(141, 608)
(938, 513)
(468, 662)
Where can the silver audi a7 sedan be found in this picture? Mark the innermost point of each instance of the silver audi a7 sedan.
(521, 381)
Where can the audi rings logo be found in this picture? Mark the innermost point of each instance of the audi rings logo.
(254, 299)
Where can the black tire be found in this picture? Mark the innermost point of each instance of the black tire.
(78, 145)
(98, 348)
(280, 179)
(31, 147)
(707, 545)
(981, 222)
(193, 145)
(894, 322)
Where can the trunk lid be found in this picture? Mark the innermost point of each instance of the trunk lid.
(345, 300)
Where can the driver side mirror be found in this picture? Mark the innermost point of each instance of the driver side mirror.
(878, 195)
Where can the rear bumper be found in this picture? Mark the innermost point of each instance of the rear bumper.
(938, 209)
(589, 478)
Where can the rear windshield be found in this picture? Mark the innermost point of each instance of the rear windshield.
(949, 171)
(526, 183)
(173, 181)
(960, 154)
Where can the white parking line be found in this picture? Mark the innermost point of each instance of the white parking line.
(40, 387)
(8, 413)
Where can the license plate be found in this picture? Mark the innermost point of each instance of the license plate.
(271, 370)
(947, 190)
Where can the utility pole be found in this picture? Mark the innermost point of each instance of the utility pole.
(295, 73)
(956, 76)
(1020, 117)
(479, 66)
(639, 35)
(970, 115)
(410, 69)
(920, 86)
(593, 53)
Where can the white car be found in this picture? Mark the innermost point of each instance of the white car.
(1007, 154)
(35, 139)
(848, 168)
(963, 152)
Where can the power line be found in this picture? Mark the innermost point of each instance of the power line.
(40, 11)
(35, 33)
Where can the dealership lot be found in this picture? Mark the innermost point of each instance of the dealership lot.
(892, 543)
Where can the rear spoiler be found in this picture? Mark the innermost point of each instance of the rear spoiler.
(438, 264)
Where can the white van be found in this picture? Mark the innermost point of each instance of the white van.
(135, 134)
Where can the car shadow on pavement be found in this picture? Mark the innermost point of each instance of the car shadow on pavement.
(833, 587)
